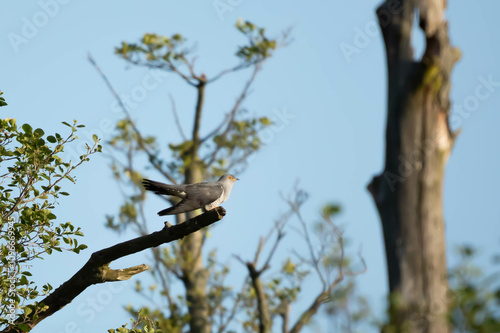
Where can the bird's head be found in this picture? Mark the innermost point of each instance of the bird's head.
(229, 178)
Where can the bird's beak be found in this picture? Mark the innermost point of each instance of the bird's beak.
(236, 178)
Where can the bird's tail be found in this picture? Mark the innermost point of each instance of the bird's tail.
(167, 211)
(161, 188)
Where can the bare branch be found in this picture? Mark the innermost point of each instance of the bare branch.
(285, 40)
(311, 311)
(140, 140)
(223, 325)
(231, 70)
(241, 159)
(176, 116)
(166, 66)
(233, 111)
(259, 250)
(217, 129)
(190, 66)
(315, 257)
(262, 306)
(284, 312)
(200, 87)
(163, 278)
(263, 312)
(321, 298)
(348, 272)
(273, 250)
(295, 207)
(324, 295)
(237, 257)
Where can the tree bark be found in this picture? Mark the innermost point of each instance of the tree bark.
(306, 316)
(194, 274)
(408, 194)
(265, 323)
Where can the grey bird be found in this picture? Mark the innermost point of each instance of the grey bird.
(204, 195)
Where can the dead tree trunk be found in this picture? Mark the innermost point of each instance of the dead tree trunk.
(408, 194)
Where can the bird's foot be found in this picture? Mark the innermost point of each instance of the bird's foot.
(167, 225)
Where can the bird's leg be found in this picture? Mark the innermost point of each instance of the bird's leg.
(167, 225)
(220, 216)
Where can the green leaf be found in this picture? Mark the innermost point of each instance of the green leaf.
(2, 100)
(330, 210)
(289, 267)
(27, 128)
(51, 139)
(24, 327)
(265, 121)
(27, 310)
(39, 132)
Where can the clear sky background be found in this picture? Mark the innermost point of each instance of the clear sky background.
(333, 142)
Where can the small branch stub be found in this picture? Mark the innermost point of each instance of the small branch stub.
(109, 274)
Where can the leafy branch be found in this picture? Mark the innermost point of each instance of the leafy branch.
(97, 269)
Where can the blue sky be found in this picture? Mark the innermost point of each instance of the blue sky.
(332, 141)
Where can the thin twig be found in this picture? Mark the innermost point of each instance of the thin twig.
(258, 251)
(271, 253)
(165, 66)
(230, 318)
(308, 240)
(176, 116)
(233, 111)
(152, 157)
(231, 70)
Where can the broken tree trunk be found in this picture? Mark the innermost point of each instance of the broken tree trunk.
(408, 194)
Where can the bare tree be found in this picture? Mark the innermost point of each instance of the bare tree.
(325, 258)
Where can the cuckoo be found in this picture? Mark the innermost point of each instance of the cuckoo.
(204, 195)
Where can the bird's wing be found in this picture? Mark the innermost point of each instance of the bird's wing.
(184, 206)
(161, 188)
(204, 193)
(194, 196)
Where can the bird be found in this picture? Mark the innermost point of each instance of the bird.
(206, 196)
